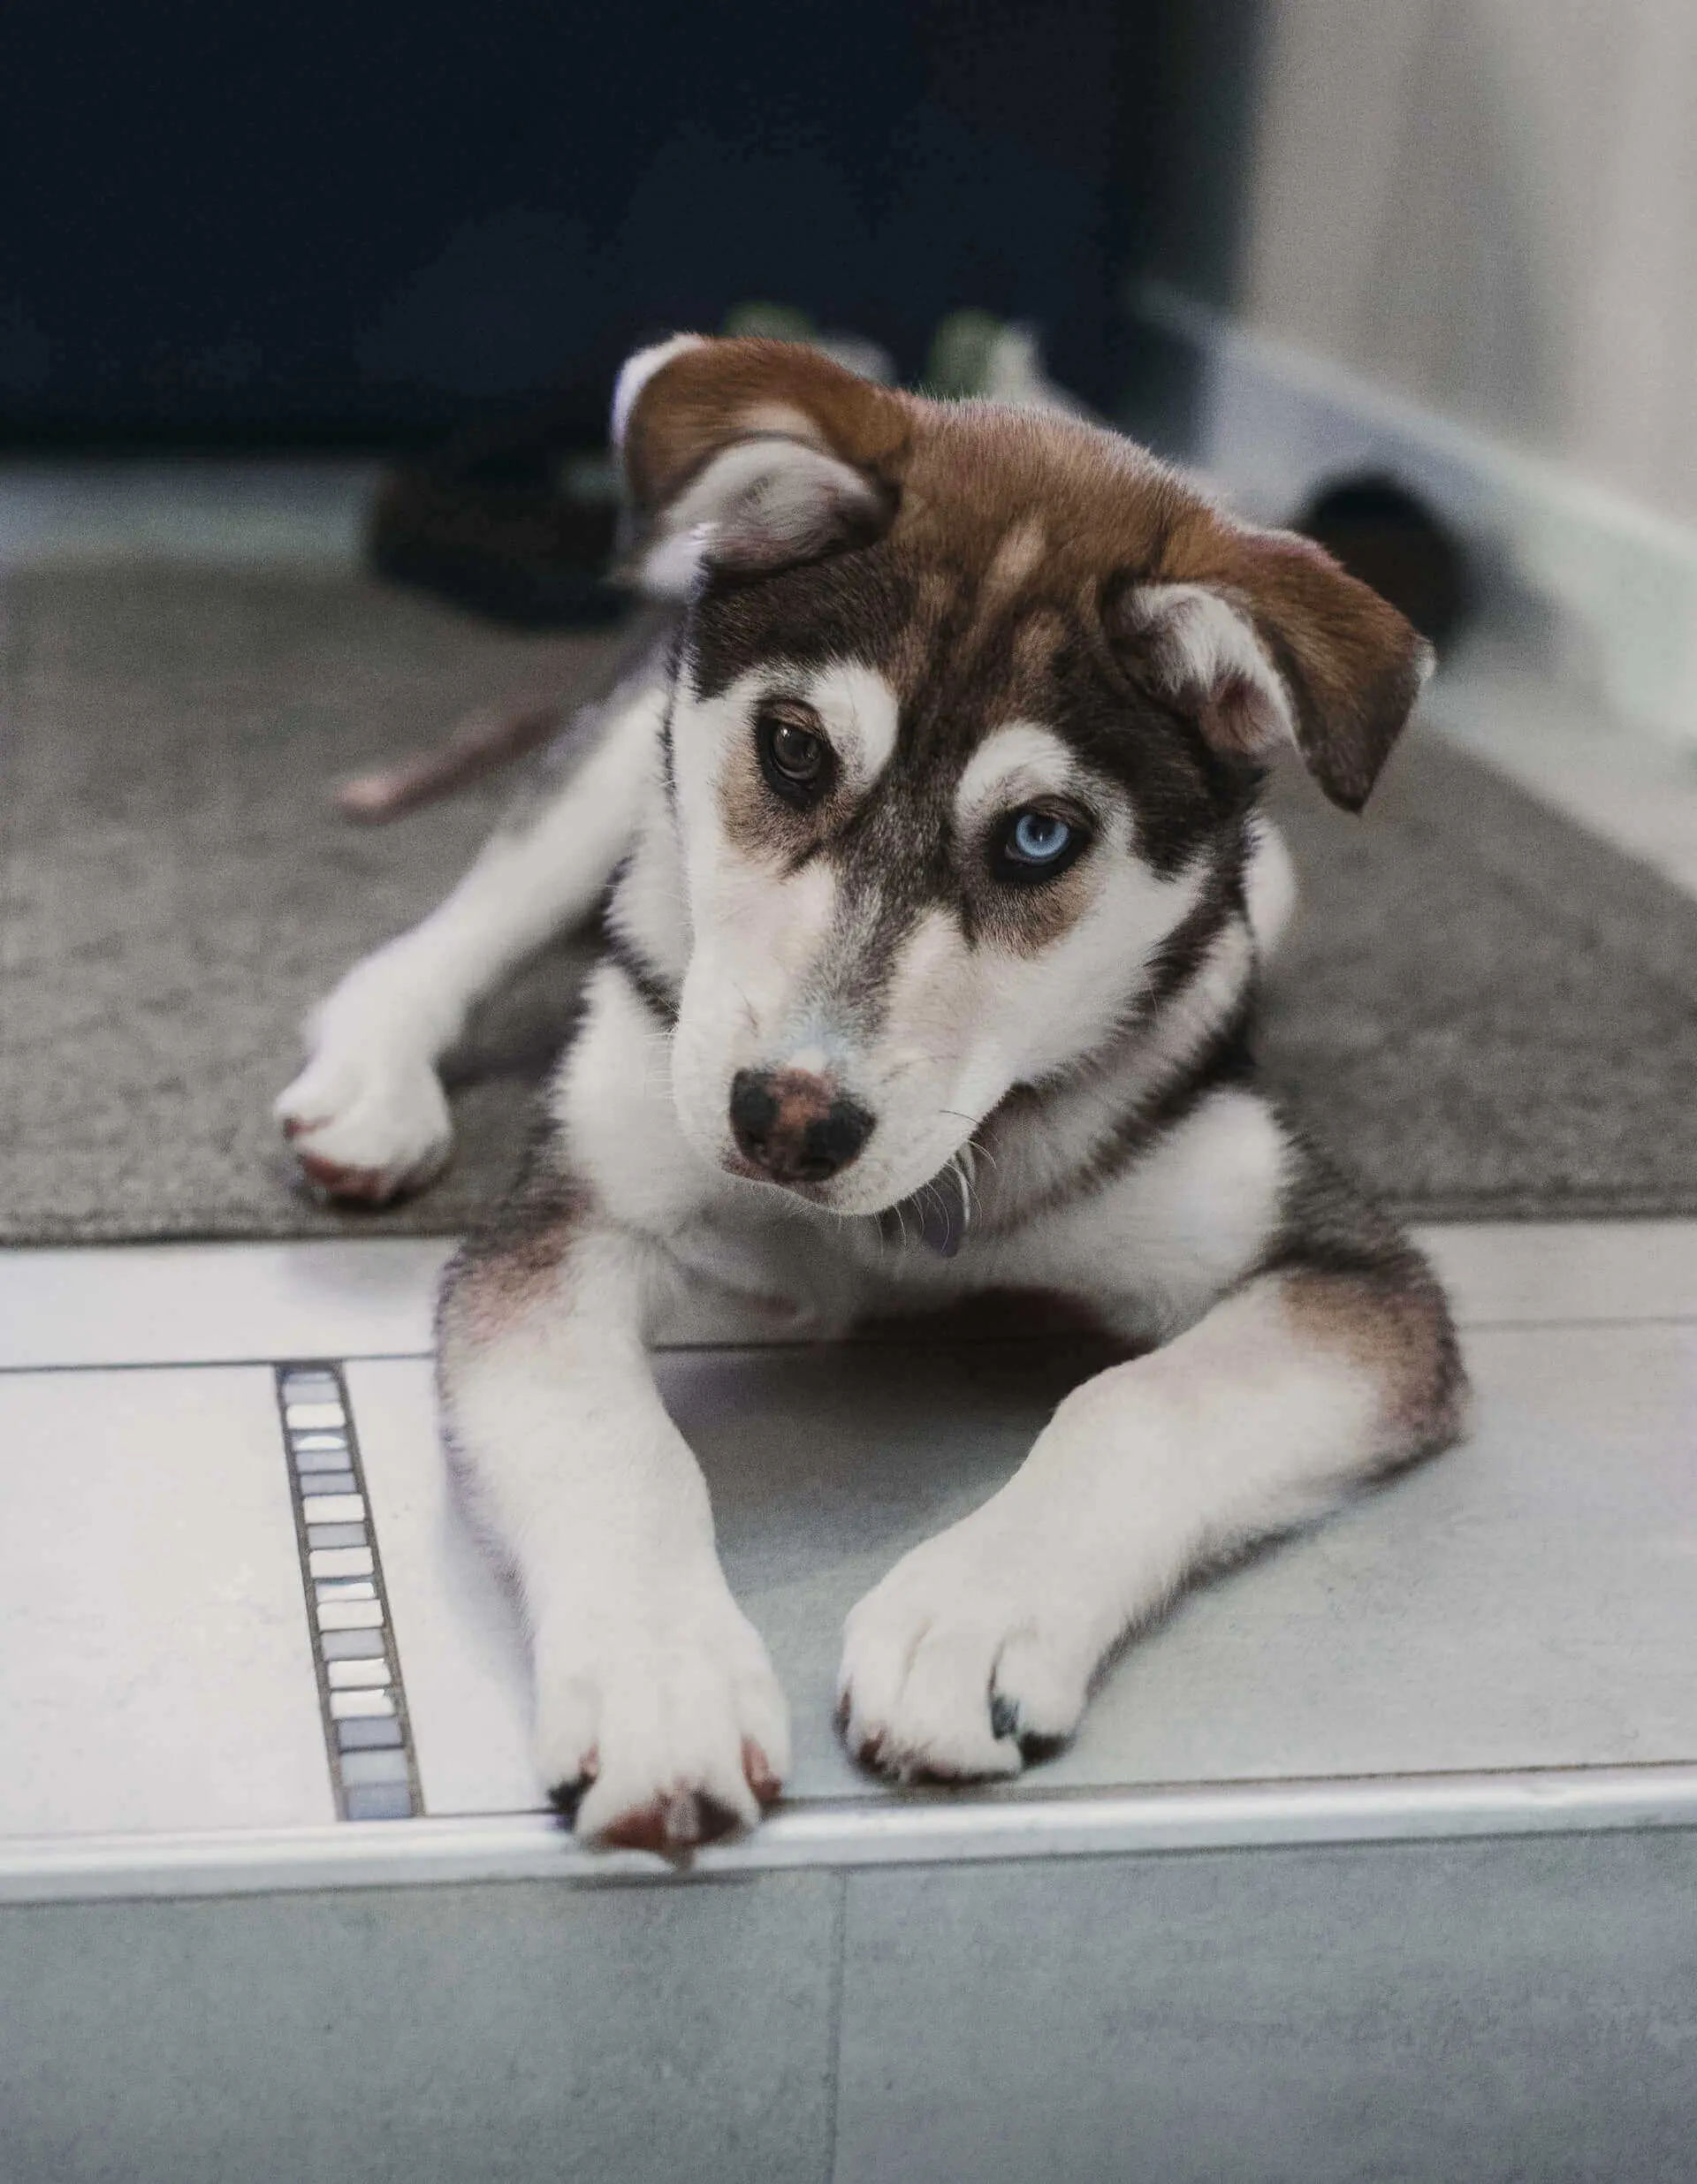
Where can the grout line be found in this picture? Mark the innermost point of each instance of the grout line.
(1579, 1320)
(373, 1776)
(210, 1365)
(838, 1977)
(921, 1338)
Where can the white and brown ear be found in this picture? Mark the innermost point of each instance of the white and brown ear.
(747, 455)
(1273, 646)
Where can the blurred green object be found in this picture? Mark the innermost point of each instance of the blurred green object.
(771, 322)
(962, 352)
(973, 355)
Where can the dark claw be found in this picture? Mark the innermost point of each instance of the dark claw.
(1034, 1746)
(712, 1820)
(565, 1797)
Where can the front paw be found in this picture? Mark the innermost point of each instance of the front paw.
(367, 1125)
(659, 1722)
(965, 1661)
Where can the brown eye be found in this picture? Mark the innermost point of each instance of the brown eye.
(794, 757)
(796, 754)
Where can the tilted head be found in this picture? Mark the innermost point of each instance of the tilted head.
(971, 708)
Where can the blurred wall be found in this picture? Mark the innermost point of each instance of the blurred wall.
(1491, 204)
(321, 221)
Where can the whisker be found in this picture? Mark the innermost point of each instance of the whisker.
(978, 1150)
(967, 1193)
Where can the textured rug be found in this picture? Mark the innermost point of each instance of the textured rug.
(1484, 1012)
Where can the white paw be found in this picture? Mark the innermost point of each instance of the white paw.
(660, 1724)
(367, 1124)
(965, 1661)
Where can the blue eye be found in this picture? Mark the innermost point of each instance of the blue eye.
(1038, 837)
(1033, 846)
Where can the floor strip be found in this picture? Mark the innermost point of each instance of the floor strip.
(367, 1734)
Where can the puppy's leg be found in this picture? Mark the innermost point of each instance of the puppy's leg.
(659, 1718)
(367, 1115)
(977, 1650)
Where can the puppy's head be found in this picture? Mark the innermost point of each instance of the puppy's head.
(971, 707)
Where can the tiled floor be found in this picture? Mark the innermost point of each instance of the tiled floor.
(1525, 1604)
(1500, 1645)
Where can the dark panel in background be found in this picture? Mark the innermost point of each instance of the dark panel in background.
(329, 224)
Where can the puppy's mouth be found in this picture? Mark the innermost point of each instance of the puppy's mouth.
(822, 1190)
(815, 1194)
(936, 1215)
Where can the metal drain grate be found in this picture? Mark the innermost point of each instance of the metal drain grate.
(366, 1727)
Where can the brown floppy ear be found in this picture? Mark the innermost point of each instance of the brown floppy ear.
(747, 455)
(1272, 645)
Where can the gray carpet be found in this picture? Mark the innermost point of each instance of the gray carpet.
(1484, 1012)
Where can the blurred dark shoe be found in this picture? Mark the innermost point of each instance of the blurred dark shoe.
(516, 522)
(1385, 536)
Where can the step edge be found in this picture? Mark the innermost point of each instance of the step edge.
(920, 1830)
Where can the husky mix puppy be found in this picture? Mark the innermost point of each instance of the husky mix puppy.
(935, 895)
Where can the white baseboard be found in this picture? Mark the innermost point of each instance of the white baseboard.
(304, 512)
(1605, 588)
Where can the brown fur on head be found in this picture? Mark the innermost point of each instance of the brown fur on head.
(754, 455)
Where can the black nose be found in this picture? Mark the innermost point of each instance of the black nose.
(796, 1126)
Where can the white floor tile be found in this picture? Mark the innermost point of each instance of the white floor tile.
(1533, 1271)
(191, 1304)
(155, 1666)
(1525, 1600)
